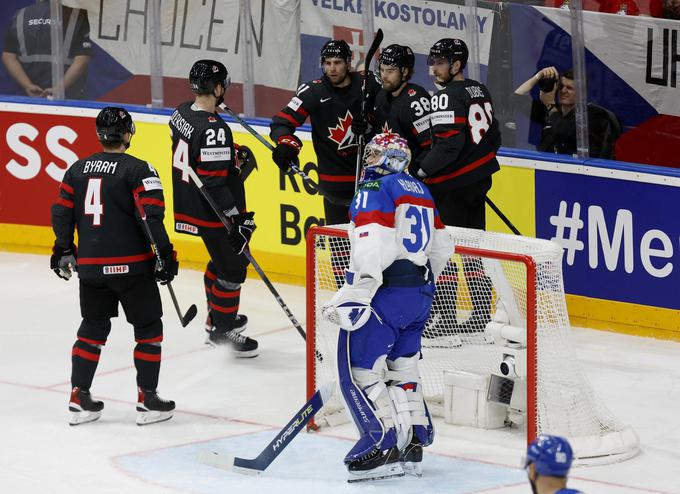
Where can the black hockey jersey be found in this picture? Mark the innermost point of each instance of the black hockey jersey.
(331, 111)
(465, 134)
(97, 196)
(407, 115)
(203, 141)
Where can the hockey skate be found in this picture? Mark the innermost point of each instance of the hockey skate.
(241, 346)
(152, 408)
(376, 465)
(83, 408)
(411, 459)
(240, 324)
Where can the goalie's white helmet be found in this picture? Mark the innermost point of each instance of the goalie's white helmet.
(387, 153)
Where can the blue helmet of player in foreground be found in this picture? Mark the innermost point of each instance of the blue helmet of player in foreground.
(551, 456)
(386, 154)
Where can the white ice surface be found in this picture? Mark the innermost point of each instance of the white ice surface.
(236, 406)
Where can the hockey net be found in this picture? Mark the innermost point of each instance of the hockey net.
(495, 285)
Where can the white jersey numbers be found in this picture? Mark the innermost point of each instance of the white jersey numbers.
(420, 106)
(180, 159)
(361, 199)
(479, 120)
(440, 101)
(93, 200)
(212, 138)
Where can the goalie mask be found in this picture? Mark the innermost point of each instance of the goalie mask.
(386, 154)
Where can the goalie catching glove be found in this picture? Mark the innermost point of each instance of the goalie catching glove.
(350, 307)
(63, 261)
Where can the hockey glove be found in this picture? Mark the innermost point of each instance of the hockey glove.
(286, 151)
(166, 268)
(360, 127)
(63, 260)
(244, 226)
(245, 161)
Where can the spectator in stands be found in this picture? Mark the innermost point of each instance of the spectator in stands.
(559, 130)
(27, 52)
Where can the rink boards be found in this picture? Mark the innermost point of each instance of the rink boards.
(615, 221)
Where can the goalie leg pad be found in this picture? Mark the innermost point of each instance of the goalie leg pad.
(404, 374)
(368, 401)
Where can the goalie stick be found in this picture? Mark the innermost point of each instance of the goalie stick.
(192, 311)
(331, 198)
(364, 96)
(258, 465)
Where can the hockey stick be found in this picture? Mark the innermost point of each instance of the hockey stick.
(246, 252)
(192, 311)
(502, 216)
(258, 465)
(317, 188)
(364, 97)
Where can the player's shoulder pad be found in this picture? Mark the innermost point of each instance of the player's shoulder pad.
(416, 91)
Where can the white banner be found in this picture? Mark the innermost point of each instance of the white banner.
(196, 29)
(640, 50)
(418, 24)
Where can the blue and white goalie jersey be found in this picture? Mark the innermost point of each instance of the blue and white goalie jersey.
(394, 218)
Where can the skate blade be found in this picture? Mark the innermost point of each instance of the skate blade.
(153, 417)
(412, 468)
(83, 417)
(380, 473)
(248, 354)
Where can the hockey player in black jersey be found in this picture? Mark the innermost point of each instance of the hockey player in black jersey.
(459, 166)
(333, 105)
(203, 141)
(402, 107)
(114, 261)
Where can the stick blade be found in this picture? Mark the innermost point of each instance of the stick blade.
(217, 460)
(228, 462)
(188, 317)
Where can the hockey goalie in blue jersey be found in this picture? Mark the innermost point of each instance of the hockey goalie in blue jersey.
(398, 247)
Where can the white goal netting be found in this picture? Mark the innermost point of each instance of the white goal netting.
(493, 281)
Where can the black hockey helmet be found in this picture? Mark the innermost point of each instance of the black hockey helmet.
(451, 49)
(397, 56)
(336, 48)
(112, 123)
(205, 75)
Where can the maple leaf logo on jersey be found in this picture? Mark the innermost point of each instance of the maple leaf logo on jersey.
(342, 133)
(386, 129)
(411, 92)
(212, 119)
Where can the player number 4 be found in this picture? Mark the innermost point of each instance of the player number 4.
(93, 200)
(180, 159)
(479, 120)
